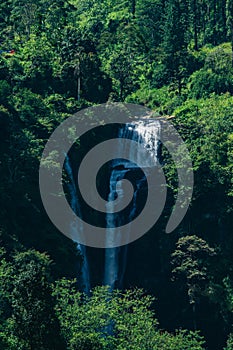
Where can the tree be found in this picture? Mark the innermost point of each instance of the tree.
(114, 320)
(229, 22)
(229, 342)
(190, 263)
(195, 23)
(215, 76)
(32, 324)
(24, 16)
(175, 41)
(39, 62)
(149, 19)
(121, 66)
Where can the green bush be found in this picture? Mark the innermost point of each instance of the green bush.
(229, 342)
(216, 75)
(162, 100)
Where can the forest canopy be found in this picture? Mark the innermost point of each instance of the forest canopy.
(175, 57)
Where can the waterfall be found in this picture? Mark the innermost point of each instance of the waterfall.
(74, 203)
(145, 132)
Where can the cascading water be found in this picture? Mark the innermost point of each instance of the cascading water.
(145, 132)
(74, 203)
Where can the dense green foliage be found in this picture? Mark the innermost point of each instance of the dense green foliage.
(174, 56)
(56, 316)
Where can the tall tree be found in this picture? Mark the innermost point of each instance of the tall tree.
(33, 324)
(229, 12)
(190, 262)
(175, 40)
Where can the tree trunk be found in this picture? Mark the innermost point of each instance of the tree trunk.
(77, 75)
(79, 88)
